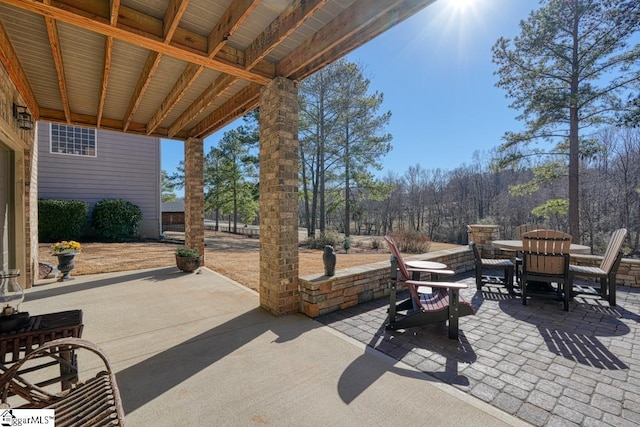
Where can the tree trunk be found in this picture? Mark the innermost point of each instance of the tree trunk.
(574, 139)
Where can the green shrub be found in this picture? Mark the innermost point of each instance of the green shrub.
(376, 243)
(323, 239)
(412, 242)
(116, 220)
(187, 252)
(346, 244)
(61, 219)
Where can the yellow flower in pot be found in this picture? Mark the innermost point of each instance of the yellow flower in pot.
(66, 246)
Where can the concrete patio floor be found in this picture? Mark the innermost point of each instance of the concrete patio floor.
(542, 364)
(196, 349)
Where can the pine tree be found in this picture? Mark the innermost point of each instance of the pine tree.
(566, 73)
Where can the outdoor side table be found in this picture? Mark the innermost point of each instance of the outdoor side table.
(14, 345)
(431, 265)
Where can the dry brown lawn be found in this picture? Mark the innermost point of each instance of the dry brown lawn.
(233, 256)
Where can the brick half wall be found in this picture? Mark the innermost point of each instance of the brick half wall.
(321, 294)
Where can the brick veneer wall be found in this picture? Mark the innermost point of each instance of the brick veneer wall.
(22, 143)
(483, 235)
(31, 210)
(321, 294)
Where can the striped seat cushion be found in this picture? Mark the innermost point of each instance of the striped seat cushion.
(496, 262)
(584, 269)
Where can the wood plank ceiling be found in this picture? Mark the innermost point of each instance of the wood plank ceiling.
(174, 68)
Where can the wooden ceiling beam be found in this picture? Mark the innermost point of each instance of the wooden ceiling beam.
(211, 93)
(173, 15)
(351, 21)
(190, 74)
(235, 15)
(56, 52)
(12, 64)
(279, 29)
(144, 80)
(146, 39)
(108, 51)
(286, 23)
(245, 100)
(58, 116)
(400, 12)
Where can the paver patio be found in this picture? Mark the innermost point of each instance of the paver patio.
(537, 362)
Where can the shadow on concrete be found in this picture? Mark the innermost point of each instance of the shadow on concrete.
(150, 378)
(67, 287)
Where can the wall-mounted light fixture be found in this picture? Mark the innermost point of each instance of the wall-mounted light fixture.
(24, 119)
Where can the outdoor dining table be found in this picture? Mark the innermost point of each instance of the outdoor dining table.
(516, 246)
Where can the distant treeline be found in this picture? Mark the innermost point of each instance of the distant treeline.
(441, 203)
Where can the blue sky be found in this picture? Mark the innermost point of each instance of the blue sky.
(436, 74)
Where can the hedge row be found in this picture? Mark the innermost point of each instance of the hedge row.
(61, 219)
(112, 220)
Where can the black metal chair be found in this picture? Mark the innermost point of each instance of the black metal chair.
(483, 264)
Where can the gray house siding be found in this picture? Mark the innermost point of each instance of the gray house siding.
(125, 167)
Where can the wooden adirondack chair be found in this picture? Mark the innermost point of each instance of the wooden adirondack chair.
(429, 301)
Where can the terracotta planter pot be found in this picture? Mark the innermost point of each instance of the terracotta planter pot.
(188, 264)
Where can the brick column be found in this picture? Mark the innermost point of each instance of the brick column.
(279, 292)
(194, 194)
(483, 235)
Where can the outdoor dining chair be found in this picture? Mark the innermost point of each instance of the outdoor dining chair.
(525, 228)
(483, 264)
(546, 260)
(605, 272)
(518, 232)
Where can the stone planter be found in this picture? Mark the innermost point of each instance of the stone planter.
(65, 265)
(188, 264)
